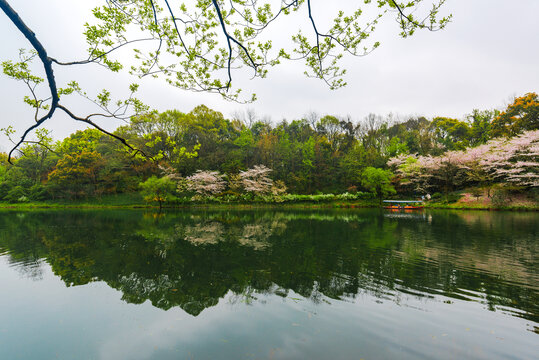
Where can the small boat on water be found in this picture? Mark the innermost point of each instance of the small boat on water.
(404, 204)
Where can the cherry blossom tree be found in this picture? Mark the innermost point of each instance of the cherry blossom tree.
(473, 170)
(515, 161)
(512, 161)
(169, 172)
(426, 173)
(257, 180)
(408, 173)
(206, 182)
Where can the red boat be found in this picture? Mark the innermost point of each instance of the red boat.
(404, 204)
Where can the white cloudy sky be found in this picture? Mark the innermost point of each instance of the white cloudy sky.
(487, 55)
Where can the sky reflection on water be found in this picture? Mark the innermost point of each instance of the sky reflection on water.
(268, 285)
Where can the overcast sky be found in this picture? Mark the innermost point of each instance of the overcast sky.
(487, 55)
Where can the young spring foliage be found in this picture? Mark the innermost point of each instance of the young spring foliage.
(200, 45)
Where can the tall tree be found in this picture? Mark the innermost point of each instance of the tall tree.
(451, 134)
(481, 125)
(521, 115)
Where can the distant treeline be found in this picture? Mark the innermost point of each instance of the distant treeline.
(315, 154)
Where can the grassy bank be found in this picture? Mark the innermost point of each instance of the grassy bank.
(462, 200)
(478, 199)
(135, 200)
(460, 206)
(130, 200)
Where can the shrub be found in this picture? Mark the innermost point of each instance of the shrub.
(23, 199)
(476, 192)
(499, 197)
(16, 194)
(4, 189)
(346, 196)
(37, 192)
(452, 198)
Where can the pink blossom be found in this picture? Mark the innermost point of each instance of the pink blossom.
(256, 179)
(514, 160)
(206, 182)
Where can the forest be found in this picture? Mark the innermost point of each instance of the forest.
(199, 156)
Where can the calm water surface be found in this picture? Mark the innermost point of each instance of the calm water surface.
(356, 284)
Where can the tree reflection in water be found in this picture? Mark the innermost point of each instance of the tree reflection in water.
(191, 259)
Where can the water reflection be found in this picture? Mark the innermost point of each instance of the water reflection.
(193, 259)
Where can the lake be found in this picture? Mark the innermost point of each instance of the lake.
(268, 284)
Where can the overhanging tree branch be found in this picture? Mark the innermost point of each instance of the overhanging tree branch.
(93, 124)
(230, 38)
(214, 37)
(47, 64)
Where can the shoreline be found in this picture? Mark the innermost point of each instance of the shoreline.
(255, 205)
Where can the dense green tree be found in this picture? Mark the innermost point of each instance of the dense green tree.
(481, 126)
(76, 174)
(378, 181)
(161, 136)
(14, 176)
(351, 166)
(396, 147)
(158, 190)
(4, 165)
(246, 147)
(415, 133)
(38, 158)
(452, 134)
